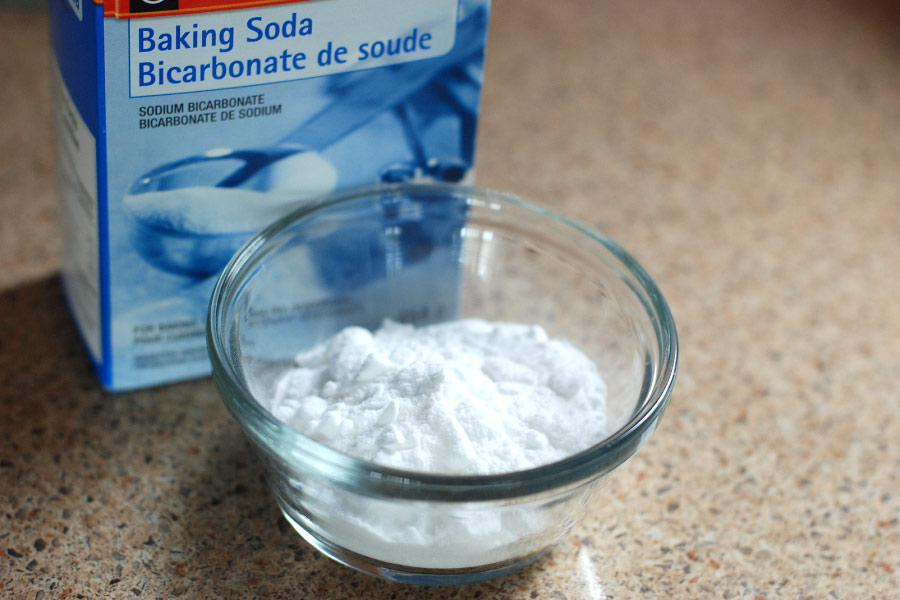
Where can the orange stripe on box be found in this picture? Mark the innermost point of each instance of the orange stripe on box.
(120, 9)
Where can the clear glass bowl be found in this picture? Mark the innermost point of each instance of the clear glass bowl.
(427, 253)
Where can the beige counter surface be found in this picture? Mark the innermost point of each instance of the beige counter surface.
(747, 153)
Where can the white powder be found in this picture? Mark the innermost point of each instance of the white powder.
(463, 397)
(460, 397)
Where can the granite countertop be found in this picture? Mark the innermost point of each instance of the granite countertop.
(747, 153)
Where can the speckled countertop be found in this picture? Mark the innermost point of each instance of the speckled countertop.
(747, 153)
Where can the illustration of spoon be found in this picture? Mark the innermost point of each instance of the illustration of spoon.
(359, 97)
(190, 215)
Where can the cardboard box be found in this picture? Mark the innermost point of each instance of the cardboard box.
(184, 126)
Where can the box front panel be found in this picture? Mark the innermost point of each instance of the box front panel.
(218, 123)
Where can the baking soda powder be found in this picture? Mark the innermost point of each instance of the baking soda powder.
(463, 397)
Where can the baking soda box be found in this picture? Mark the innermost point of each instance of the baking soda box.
(184, 126)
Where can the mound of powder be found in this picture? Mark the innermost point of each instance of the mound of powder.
(461, 397)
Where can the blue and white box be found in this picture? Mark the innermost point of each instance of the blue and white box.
(184, 126)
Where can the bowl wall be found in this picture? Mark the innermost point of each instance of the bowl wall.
(423, 254)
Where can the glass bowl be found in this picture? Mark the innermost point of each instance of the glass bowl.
(422, 254)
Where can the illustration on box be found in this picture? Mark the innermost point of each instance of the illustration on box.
(184, 130)
(186, 216)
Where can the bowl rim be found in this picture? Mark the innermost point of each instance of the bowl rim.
(298, 452)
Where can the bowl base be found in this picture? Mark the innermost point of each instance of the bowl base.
(408, 574)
